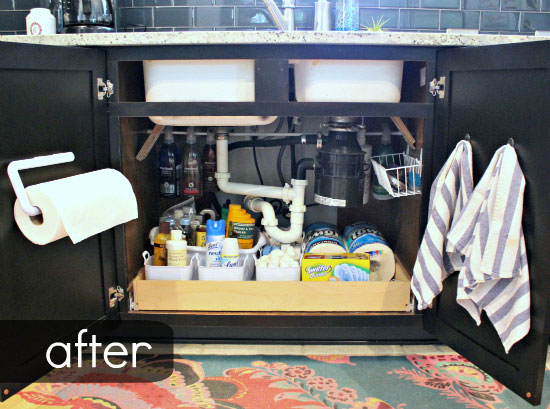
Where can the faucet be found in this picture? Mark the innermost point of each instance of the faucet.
(284, 21)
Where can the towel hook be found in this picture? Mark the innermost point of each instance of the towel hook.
(36, 162)
(511, 142)
(467, 137)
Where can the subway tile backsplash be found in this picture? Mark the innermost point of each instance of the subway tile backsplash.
(488, 16)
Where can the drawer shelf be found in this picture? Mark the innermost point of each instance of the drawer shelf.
(270, 296)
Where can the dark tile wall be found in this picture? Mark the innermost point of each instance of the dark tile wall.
(488, 16)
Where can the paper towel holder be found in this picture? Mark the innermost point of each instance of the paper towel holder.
(36, 162)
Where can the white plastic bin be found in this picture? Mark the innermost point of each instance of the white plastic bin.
(278, 273)
(247, 259)
(348, 80)
(202, 81)
(166, 272)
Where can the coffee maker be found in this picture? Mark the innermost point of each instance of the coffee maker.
(87, 16)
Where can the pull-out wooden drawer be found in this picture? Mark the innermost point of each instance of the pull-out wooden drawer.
(298, 296)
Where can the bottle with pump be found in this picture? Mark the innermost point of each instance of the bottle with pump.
(160, 244)
(191, 166)
(169, 166)
(209, 164)
(385, 148)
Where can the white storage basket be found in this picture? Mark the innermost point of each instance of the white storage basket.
(348, 80)
(278, 273)
(153, 272)
(403, 179)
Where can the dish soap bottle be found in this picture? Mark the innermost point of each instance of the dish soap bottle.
(169, 166)
(191, 166)
(209, 164)
(385, 148)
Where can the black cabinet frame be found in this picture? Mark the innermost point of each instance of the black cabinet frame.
(272, 98)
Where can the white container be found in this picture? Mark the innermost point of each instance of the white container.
(222, 273)
(176, 250)
(202, 81)
(348, 80)
(40, 21)
(278, 273)
(230, 252)
(165, 272)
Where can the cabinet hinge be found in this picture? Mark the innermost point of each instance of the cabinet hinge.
(437, 87)
(104, 89)
(115, 295)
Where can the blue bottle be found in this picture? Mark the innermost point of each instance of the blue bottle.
(215, 234)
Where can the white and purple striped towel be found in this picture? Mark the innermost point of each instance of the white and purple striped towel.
(488, 233)
(449, 194)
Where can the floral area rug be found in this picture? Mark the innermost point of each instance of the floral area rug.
(290, 382)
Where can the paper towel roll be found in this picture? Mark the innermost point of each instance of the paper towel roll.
(78, 206)
(382, 261)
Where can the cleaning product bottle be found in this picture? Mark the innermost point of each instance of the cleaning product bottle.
(160, 244)
(176, 249)
(385, 148)
(209, 164)
(186, 229)
(215, 234)
(233, 210)
(169, 166)
(178, 215)
(200, 236)
(191, 165)
(230, 252)
(242, 227)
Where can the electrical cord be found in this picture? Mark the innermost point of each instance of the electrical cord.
(279, 165)
(257, 166)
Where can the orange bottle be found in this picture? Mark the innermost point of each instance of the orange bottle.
(160, 244)
(232, 209)
(242, 227)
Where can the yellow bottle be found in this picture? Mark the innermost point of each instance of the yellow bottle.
(242, 227)
(231, 212)
(176, 250)
(231, 219)
(160, 244)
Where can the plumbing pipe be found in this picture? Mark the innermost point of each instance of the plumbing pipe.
(309, 139)
(285, 193)
(269, 221)
(295, 194)
(303, 166)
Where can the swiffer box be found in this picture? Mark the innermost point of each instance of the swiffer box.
(336, 267)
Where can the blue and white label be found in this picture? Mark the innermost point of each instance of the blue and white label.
(214, 251)
(359, 234)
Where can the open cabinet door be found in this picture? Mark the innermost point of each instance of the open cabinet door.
(49, 104)
(495, 93)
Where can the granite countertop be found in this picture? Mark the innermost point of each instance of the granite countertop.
(270, 37)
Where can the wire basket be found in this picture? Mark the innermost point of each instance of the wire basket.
(399, 173)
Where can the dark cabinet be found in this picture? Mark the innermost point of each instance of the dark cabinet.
(50, 104)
